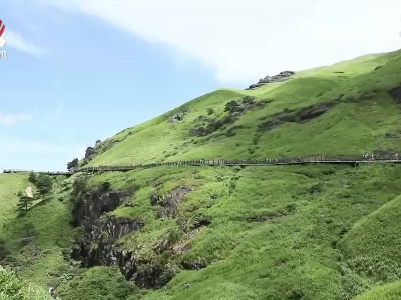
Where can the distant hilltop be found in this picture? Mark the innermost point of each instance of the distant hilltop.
(282, 76)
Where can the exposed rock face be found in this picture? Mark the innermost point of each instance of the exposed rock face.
(396, 94)
(178, 116)
(234, 109)
(98, 245)
(27, 240)
(97, 248)
(282, 76)
(301, 116)
(92, 205)
(170, 201)
(145, 273)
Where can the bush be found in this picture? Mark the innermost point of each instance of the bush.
(248, 100)
(101, 283)
(106, 186)
(32, 178)
(13, 287)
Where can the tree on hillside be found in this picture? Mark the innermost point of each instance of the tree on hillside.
(44, 184)
(89, 152)
(23, 205)
(32, 178)
(72, 164)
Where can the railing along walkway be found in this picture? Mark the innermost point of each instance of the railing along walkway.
(356, 160)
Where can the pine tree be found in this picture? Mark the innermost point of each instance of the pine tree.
(44, 184)
(32, 177)
(23, 205)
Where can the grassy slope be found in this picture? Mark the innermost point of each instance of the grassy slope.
(286, 256)
(157, 140)
(50, 226)
(309, 246)
(303, 253)
(391, 291)
(10, 185)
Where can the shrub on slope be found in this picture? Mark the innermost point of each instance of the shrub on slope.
(12, 287)
(100, 283)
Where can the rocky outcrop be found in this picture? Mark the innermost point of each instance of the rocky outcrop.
(97, 247)
(395, 93)
(233, 109)
(27, 240)
(282, 76)
(169, 202)
(145, 273)
(178, 116)
(94, 203)
(99, 243)
(296, 116)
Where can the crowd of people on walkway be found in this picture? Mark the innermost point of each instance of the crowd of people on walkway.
(387, 156)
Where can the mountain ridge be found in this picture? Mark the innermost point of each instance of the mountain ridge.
(226, 232)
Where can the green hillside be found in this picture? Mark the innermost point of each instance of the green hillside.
(391, 291)
(300, 232)
(358, 98)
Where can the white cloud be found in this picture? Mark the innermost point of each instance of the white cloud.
(17, 41)
(245, 40)
(12, 119)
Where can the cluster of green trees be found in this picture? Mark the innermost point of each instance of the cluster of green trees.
(72, 164)
(90, 153)
(43, 184)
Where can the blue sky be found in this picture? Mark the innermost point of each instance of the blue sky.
(81, 70)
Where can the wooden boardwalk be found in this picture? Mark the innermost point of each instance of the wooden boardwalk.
(52, 173)
(350, 160)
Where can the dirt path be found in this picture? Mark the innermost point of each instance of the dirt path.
(28, 191)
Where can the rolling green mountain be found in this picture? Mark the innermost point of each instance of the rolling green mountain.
(211, 232)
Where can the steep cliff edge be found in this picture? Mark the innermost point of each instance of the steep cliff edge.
(99, 244)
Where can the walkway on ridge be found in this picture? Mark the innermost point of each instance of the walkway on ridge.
(350, 160)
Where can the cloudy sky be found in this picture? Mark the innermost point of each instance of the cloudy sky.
(81, 70)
